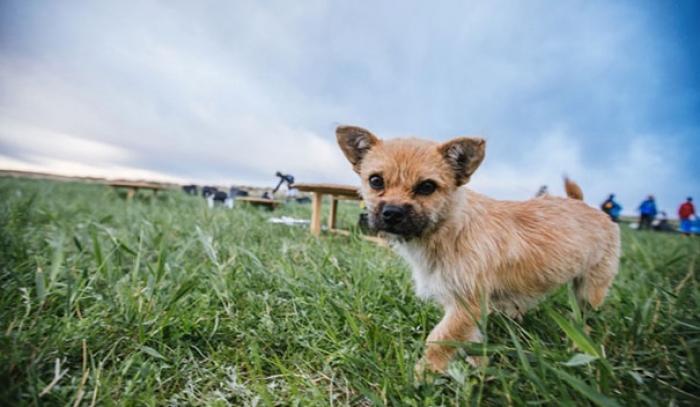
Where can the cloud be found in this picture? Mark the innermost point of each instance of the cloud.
(648, 165)
(37, 163)
(233, 91)
(26, 140)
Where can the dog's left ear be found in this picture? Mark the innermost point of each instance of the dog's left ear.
(355, 143)
(464, 155)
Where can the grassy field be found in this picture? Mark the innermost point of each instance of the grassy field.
(164, 301)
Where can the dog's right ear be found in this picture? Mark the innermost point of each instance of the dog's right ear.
(355, 143)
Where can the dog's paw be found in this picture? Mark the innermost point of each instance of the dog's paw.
(419, 373)
(478, 361)
(425, 371)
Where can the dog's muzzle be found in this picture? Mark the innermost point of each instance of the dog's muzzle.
(400, 220)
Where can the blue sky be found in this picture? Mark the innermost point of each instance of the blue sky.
(230, 92)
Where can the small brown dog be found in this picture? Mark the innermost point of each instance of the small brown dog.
(464, 247)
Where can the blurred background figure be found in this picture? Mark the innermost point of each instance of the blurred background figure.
(612, 208)
(208, 191)
(662, 224)
(190, 189)
(542, 191)
(647, 213)
(685, 213)
(235, 192)
(284, 178)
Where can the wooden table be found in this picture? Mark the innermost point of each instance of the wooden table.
(336, 193)
(133, 186)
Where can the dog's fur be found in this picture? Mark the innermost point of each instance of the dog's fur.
(466, 249)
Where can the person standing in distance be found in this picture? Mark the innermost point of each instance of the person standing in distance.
(685, 212)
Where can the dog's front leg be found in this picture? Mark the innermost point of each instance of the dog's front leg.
(459, 324)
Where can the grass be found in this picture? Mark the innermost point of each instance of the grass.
(165, 301)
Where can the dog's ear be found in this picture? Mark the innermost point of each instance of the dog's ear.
(355, 143)
(464, 155)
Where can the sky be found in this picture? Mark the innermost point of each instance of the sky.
(230, 92)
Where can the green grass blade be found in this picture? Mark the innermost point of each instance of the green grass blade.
(577, 336)
(522, 357)
(584, 389)
(40, 285)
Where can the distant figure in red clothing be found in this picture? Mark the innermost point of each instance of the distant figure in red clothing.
(685, 213)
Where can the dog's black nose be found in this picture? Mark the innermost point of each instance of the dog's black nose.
(392, 214)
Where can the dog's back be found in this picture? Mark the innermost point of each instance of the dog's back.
(538, 244)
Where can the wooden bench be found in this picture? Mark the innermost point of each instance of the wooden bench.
(269, 203)
(336, 193)
(133, 186)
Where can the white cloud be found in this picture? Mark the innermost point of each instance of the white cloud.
(648, 165)
(233, 92)
(30, 140)
(37, 163)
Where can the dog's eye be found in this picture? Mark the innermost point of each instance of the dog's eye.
(425, 188)
(376, 182)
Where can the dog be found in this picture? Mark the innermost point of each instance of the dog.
(468, 251)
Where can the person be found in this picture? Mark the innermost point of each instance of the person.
(685, 212)
(647, 212)
(612, 208)
(288, 178)
(542, 191)
(662, 224)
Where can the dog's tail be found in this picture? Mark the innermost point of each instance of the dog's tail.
(573, 191)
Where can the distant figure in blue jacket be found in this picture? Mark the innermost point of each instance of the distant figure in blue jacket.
(647, 213)
(612, 208)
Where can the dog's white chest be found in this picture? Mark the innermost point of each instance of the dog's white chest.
(429, 278)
